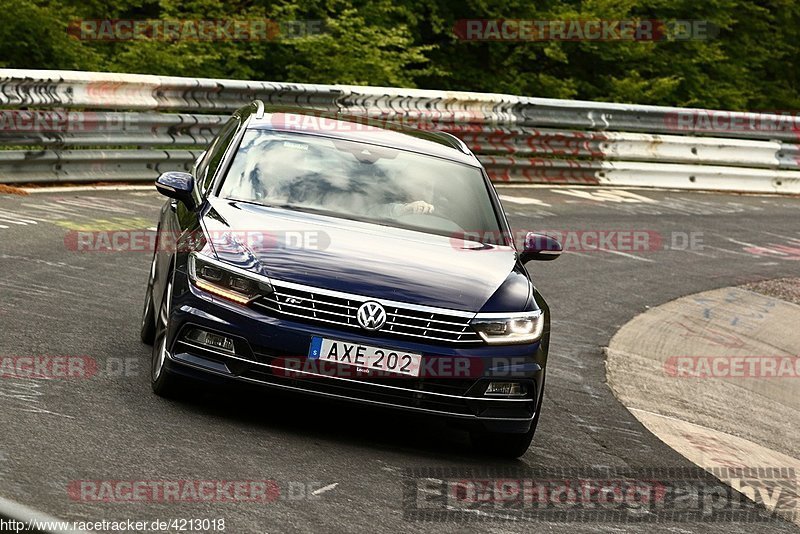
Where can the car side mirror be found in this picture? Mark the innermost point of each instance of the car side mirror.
(539, 247)
(177, 185)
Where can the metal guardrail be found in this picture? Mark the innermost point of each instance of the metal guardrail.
(84, 126)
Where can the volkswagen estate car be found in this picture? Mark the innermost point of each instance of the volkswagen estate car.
(330, 257)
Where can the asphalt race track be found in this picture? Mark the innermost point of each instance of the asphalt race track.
(337, 467)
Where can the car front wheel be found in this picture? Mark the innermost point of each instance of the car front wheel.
(148, 327)
(163, 382)
(505, 445)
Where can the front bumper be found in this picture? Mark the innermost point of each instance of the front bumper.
(271, 351)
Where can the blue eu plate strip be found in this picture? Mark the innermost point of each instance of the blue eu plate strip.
(315, 348)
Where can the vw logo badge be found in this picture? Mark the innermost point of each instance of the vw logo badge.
(371, 316)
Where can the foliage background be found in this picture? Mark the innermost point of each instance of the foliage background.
(750, 64)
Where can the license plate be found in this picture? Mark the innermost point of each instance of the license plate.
(364, 356)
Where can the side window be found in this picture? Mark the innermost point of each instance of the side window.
(207, 167)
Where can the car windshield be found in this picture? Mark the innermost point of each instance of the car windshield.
(360, 181)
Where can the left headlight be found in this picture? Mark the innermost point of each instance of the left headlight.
(509, 328)
(225, 280)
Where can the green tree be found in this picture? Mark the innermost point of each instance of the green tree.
(750, 63)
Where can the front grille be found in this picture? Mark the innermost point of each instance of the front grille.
(315, 305)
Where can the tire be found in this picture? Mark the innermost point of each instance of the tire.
(148, 327)
(163, 382)
(505, 445)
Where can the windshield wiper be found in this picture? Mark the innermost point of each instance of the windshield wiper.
(264, 204)
(289, 207)
(392, 223)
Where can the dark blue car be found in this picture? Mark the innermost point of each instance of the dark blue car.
(353, 262)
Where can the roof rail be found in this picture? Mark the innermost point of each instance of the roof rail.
(456, 142)
(259, 109)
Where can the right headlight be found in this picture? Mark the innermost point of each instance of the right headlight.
(509, 328)
(225, 280)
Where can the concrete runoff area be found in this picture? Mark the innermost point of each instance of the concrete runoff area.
(716, 376)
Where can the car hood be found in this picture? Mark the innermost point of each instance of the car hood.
(357, 257)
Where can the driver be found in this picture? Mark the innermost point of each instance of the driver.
(410, 208)
(418, 195)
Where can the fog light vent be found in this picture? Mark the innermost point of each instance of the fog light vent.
(213, 341)
(506, 389)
